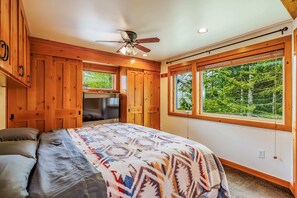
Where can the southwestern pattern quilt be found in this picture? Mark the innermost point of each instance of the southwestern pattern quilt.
(137, 161)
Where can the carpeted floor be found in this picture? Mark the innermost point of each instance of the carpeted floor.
(243, 185)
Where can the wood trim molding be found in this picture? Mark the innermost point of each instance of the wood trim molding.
(57, 49)
(256, 173)
(284, 43)
(291, 6)
(294, 187)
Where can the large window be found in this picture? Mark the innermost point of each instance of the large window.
(249, 86)
(250, 90)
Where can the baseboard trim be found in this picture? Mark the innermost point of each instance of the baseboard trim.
(259, 174)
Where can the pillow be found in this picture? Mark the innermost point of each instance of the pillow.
(14, 175)
(14, 134)
(26, 148)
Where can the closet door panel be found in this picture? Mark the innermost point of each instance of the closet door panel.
(67, 99)
(152, 99)
(30, 107)
(135, 96)
(53, 101)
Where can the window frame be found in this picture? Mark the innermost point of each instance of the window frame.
(284, 43)
(103, 69)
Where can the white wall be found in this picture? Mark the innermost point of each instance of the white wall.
(2, 107)
(236, 143)
(295, 24)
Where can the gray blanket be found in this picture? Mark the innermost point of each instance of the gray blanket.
(63, 171)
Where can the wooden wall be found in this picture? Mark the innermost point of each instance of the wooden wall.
(54, 99)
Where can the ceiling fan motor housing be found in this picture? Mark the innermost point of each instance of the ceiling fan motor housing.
(132, 35)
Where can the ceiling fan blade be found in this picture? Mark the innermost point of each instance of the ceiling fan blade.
(99, 41)
(142, 48)
(148, 40)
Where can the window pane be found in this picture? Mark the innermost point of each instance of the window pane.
(97, 80)
(250, 90)
(183, 90)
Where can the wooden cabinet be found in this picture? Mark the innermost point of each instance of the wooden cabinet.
(140, 97)
(15, 44)
(54, 99)
(6, 19)
(23, 67)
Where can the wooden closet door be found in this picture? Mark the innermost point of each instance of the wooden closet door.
(135, 96)
(67, 93)
(152, 99)
(31, 107)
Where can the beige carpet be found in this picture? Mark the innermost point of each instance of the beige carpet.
(243, 185)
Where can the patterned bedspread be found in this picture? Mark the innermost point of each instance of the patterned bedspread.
(137, 161)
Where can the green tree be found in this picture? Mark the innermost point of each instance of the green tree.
(254, 89)
(97, 80)
(184, 91)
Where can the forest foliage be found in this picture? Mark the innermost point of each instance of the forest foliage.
(96, 80)
(251, 90)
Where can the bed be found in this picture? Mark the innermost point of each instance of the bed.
(124, 160)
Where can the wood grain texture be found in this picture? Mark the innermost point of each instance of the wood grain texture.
(294, 186)
(291, 6)
(152, 99)
(135, 96)
(51, 48)
(54, 99)
(6, 26)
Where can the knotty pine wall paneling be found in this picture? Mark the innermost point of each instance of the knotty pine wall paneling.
(135, 96)
(67, 93)
(54, 99)
(152, 99)
(30, 107)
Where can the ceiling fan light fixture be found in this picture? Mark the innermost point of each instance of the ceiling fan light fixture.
(144, 55)
(123, 50)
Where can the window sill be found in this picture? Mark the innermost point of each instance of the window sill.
(100, 90)
(251, 123)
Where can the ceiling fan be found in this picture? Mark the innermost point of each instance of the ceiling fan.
(131, 42)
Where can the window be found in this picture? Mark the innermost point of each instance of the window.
(249, 86)
(98, 80)
(252, 89)
(183, 90)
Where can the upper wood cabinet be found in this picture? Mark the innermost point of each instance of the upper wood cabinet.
(23, 47)
(14, 41)
(6, 33)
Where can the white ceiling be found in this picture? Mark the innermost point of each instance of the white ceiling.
(175, 22)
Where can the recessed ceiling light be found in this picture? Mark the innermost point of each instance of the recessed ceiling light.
(202, 30)
(144, 54)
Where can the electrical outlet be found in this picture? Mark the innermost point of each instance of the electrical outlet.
(261, 154)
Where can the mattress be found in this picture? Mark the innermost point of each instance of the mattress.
(137, 161)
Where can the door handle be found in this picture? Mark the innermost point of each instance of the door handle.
(21, 67)
(5, 57)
